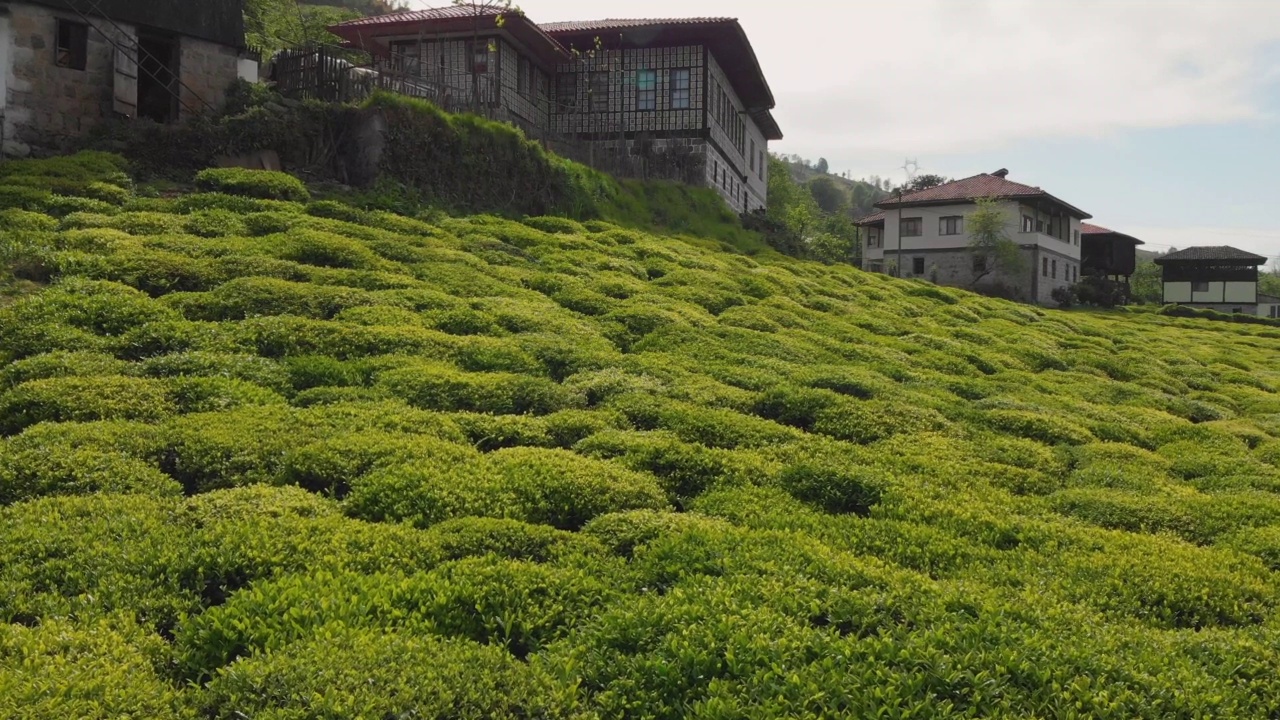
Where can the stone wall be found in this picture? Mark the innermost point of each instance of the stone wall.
(955, 268)
(45, 107)
(207, 70)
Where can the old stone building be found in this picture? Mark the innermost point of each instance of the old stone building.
(685, 96)
(923, 234)
(67, 64)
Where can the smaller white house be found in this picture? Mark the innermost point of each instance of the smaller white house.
(923, 234)
(1219, 278)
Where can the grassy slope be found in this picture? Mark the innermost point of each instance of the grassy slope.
(504, 469)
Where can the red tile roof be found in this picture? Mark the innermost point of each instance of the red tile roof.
(984, 185)
(871, 219)
(1087, 229)
(577, 26)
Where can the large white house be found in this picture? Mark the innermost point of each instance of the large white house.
(923, 234)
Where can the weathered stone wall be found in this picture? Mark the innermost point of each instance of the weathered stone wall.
(46, 107)
(207, 69)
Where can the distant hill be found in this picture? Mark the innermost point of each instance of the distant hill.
(861, 194)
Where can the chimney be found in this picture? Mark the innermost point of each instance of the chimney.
(1001, 173)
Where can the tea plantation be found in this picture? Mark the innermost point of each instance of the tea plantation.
(269, 457)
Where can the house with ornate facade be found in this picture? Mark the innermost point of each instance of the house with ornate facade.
(686, 94)
(67, 64)
(922, 234)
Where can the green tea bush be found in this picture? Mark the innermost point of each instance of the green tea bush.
(866, 421)
(62, 363)
(382, 674)
(510, 539)
(512, 604)
(92, 671)
(552, 487)
(93, 557)
(61, 399)
(439, 387)
(28, 472)
(265, 184)
(286, 458)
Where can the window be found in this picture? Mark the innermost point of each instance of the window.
(1237, 310)
(1053, 269)
(1044, 267)
(911, 227)
(753, 156)
(1200, 286)
(480, 56)
(979, 263)
(761, 166)
(680, 89)
(917, 266)
(1028, 225)
(1076, 237)
(524, 77)
(567, 92)
(599, 90)
(73, 45)
(647, 90)
(951, 225)
(1275, 311)
(1039, 226)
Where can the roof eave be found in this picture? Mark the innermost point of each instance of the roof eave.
(890, 204)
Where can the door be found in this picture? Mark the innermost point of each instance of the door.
(125, 82)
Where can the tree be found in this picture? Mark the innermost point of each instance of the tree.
(992, 249)
(923, 182)
(278, 24)
(1145, 285)
(822, 167)
(831, 198)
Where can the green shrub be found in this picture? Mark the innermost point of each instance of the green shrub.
(265, 184)
(91, 671)
(381, 674)
(552, 487)
(28, 472)
(16, 219)
(439, 387)
(62, 363)
(512, 604)
(61, 399)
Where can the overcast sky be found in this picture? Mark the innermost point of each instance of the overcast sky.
(1161, 118)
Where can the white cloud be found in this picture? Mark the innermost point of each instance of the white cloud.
(944, 76)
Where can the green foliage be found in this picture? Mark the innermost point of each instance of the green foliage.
(265, 184)
(989, 241)
(371, 673)
(274, 459)
(92, 671)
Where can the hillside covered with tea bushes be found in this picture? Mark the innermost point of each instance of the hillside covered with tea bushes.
(265, 456)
